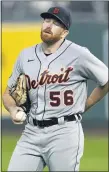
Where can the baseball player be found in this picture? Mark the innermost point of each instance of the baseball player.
(56, 71)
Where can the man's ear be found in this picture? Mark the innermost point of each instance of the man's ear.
(65, 33)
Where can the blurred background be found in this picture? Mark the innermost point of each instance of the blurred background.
(21, 28)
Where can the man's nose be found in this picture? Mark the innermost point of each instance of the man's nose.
(49, 25)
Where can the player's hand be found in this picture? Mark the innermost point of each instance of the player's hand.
(17, 114)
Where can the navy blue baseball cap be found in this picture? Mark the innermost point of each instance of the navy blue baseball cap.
(59, 13)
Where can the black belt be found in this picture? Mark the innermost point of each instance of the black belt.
(54, 121)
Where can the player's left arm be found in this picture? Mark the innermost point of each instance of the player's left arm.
(97, 94)
(92, 68)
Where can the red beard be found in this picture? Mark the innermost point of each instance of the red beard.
(48, 37)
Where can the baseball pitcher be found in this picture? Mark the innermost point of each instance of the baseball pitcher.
(52, 76)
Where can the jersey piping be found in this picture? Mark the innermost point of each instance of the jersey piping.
(37, 79)
(78, 146)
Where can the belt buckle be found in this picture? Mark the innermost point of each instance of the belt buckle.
(61, 120)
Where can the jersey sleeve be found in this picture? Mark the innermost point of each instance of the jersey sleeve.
(17, 70)
(92, 68)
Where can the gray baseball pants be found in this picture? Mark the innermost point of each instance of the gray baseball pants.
(60, 147)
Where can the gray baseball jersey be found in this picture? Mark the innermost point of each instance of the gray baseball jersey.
(57, 87)
(58, 83)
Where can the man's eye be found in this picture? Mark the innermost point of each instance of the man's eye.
(56, 23)
(47, 20)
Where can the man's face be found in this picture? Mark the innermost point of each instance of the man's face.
(51, 31)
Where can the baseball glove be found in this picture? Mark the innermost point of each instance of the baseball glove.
(20, 93)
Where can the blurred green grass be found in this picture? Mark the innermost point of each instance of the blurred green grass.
(95, 154)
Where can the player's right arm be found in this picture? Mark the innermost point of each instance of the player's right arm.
(8, 101)
(10, 105)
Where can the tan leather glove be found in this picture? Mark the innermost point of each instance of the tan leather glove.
(19, 92)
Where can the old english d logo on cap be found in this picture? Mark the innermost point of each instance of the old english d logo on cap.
(59, 13)
(56, 11)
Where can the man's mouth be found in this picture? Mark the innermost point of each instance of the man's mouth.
(47, 32)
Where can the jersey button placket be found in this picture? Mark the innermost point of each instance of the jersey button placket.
(44, 67)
